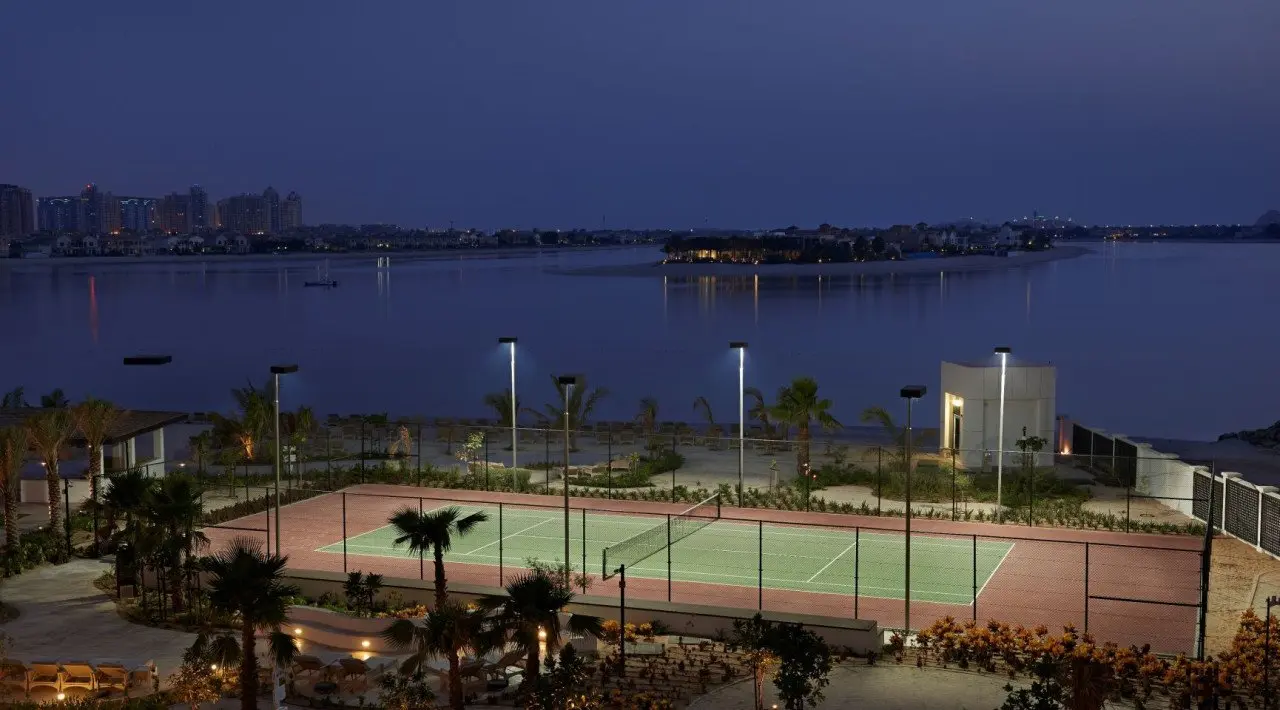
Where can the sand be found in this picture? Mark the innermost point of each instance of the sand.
(910, 266)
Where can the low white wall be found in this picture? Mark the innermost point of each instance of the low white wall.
(1166, 477)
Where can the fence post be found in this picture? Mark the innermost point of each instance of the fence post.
(609, 466)
(1127, 513)
(953, 484)
(584, 548)
(546, 458)
(975, 577)
(760, 578)
(418, 457)
(500, 545)
(1031, 500)
(622, 620)
(1206, 557)
(266, 497)
(1086, 587)
(669, 554)
(362, 449)
(422, 563)
(66, 518)
(857, 549)
(344, 532)
(879, 452)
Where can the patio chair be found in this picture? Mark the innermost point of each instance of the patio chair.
(78, 674)
(111, 676)
(511, 663)
(309, 664)
(352, 671)
(44, 673)
(14, 675)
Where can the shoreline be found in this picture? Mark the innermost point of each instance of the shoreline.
(906, 266)
(300, 257)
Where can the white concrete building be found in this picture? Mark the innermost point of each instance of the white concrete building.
(971, 409)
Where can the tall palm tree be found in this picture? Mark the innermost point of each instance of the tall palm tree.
(126, 497)
(582, 402)
(897, 455)
(760, 410)
(13, 450)
(798, 405)
(200, 445)
(445, 632)
(701, 404)
(94, 418)
(647, 418)
(55, 399)
(532, 604)
(249, 582)
(48, 433)
(433, 531)
(500, 403)
(298, 427)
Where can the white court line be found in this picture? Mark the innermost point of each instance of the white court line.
(503, 537)
(999, 564)
(832, 562)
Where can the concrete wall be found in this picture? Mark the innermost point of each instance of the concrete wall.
(1030, 401)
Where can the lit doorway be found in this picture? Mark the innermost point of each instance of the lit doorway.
(957, 422)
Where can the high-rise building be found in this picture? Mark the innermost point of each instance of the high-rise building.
(271, 202)
(200, 217)
(59, 215)
(246, 214)
(92, 210)
(291, 212)
(110, 214)
(17, 214)
(137, 214)
(173, 214)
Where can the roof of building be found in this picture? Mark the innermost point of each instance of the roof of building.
(994, 362)
(129, 424)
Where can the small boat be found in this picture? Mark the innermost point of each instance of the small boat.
(322, 278)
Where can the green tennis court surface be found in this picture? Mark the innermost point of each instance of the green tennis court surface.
(798, 558)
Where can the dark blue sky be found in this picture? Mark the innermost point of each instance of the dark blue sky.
(655, 113)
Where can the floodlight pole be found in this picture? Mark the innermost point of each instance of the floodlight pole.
(741, 347)
(567, 384)
(1003, 352)
(512, 343)
(276, 371)
(908, 393)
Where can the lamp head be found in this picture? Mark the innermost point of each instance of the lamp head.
(283, 369)
(569, 380)
(1003, 350)
(506, 341)
(1273, 601)
(148, 360)
(912, 392)
(738, 344)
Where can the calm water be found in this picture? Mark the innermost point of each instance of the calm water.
(1153, 339)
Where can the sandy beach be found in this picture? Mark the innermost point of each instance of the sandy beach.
(909, 266)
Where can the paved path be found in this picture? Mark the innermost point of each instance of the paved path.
(62, 616)
(884, 687)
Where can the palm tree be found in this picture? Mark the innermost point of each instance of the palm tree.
(13, 450)
(799, 406)
(582, 401)
(249, 582)
(445, 632)
(896, 434)
(126, 497)
(14, 399)
(759, 410)
(94, 418)
(500, 403)
(533, 604)
(713, 429)
(55, 400)
(48, 433)
(250, 428)
(298, 427)
(174, 506)
(433, 531)
(647, 418)
(200, 445)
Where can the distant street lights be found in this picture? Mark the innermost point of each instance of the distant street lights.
(276, 372)
(909, 393)
(741, 347)
(514, 436)
(567, 383)
(1003, 352)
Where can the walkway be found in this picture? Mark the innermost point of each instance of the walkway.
(884, 687)
(62, 616)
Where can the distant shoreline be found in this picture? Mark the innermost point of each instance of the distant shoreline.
(949, 264)
(297, 257)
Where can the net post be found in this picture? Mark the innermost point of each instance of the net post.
(668, 557)
(760, 557)
(622, 620)
(344, 532)
(422, 564)
(1086, 587)
(975, 577)
(500, 544)
(857, 553)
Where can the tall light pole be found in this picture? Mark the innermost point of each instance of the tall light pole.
(1003, 352)
(1266, 654)
(909, 393)
(741, 347)
(512, 343)
(567, 383)
(276, 372)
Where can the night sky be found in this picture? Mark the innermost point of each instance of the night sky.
(732, 113)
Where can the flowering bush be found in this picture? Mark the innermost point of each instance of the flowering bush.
(1089, 672)
(643, 632)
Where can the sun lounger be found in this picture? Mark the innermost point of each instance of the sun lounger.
(138, 674)
(309, 664)
(511, 663)
(353, 671)
(44, 673)
(112, 676)
(78, 674)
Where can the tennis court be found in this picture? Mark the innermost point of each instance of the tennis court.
(824, 560)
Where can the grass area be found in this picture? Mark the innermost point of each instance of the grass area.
(941, 484)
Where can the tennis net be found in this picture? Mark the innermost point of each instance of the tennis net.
(675, 528)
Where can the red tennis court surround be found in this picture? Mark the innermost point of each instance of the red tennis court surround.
(1128, 588)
